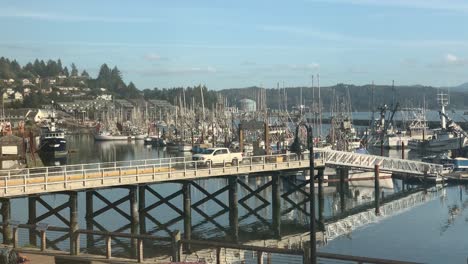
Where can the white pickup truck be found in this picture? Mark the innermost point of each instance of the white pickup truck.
(213, 156)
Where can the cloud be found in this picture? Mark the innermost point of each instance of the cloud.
(361, 40)
(152, 57)
(40, 15)
(449, 60)
(452, 59)
(178, 71)
(443, 5)
(310, 66)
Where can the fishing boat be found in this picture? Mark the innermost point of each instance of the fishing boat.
(104, 135)
(52, 142)
(449, 137)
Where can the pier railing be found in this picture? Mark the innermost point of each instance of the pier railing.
(199, 250)
(99, 175)
(20, 182)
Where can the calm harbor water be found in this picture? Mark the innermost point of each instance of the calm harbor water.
(432, 232)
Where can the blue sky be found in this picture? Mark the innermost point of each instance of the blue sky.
(226, 44)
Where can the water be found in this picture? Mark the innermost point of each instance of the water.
(432, 232)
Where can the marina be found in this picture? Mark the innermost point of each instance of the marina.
(242, 132)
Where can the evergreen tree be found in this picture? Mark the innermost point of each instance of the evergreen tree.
(74, 71)
(85, 74)
(65, 71)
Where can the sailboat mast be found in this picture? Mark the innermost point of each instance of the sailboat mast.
(320, 106)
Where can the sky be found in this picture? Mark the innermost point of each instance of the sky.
(232, 44)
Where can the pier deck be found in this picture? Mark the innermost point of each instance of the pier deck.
(21, 182)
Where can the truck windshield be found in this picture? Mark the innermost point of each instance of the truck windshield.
(208, 151)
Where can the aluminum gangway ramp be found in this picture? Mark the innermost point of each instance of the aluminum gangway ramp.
(334, 158)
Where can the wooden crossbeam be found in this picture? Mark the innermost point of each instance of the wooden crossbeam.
(211, 218)
(112, 205)
(210, 196)
(297, 188)
(163, 226)
(254, 193)
(53, 211)
(163, 200)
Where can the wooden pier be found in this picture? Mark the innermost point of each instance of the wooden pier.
(136, 179)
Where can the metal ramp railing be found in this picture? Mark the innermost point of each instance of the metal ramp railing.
(335, 158)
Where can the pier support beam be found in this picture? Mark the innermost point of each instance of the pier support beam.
(89, 219)
(135, 220)
(32, 219)
(6, 218)
(233, 209)
(186, 193)
(344, 174)
(141, 206)
(376, 190)
(276, 204)
(321, 200)
(73, 203)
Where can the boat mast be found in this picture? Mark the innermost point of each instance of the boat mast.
(320, 106)
(443, 101)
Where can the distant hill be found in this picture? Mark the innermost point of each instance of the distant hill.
(461, 88)
(360, 96)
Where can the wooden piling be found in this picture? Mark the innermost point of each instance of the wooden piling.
(233, 209)
(342, 175)
(141, 207)
(276, 205)
(89, 219)
(176, 246)
(402, 150)
(321, 204)
(73, 201)
(6, 218)
(135, 221)
(187, 213)
(32, 219)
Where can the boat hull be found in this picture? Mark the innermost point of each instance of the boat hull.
(438, 145)
(109, 137)
(53, 147)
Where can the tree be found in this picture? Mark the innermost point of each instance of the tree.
(74, 71)
(65, 71)
(85, 74)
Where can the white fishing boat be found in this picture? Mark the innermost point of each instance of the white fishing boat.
(108, 136)
(184, 147)
(449, 137)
